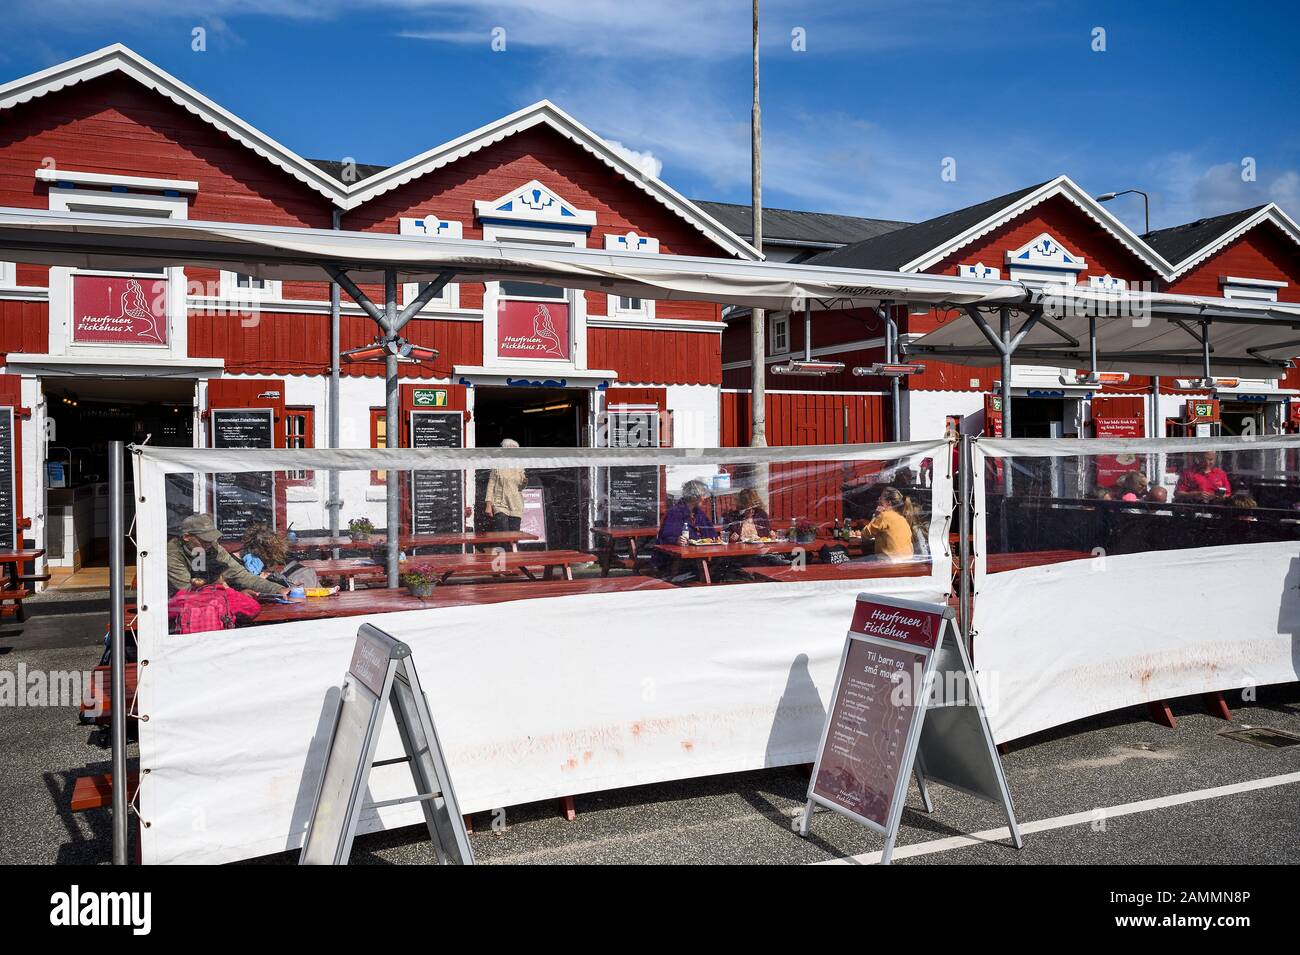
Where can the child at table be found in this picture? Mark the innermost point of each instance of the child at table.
(892, 527)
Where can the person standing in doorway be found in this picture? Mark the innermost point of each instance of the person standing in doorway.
(504, 499)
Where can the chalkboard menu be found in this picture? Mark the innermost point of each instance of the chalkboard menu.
(8, 492)
(632, 493)
(240, 500)
(437, 497)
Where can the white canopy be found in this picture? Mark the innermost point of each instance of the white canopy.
(93, 241)
(1139, 332)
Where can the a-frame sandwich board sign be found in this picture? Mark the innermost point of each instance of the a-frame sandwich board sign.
(382, 672)
(905, 701)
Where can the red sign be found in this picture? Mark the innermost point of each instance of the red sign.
(887, 622)
(533, 330)
(119, 310)
(1111, 466)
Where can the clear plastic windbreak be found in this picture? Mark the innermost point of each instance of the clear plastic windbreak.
(246, 538)
(1048, 501)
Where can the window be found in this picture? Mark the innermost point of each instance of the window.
(7, 277)
(237, 285)
(778, 334)
(636, 305)
(299, 433)
(438, 228)
(378, 439)
(1258, 290)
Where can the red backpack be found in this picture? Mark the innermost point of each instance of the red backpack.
(210, 608)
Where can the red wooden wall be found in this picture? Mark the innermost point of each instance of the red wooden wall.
(806, 418)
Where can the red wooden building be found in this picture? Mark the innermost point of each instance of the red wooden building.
(93, 356)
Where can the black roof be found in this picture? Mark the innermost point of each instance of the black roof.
(892, 250)
(1178, 242)
(335, 169)
(792, 227)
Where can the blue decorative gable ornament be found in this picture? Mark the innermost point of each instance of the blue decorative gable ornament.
(1044, 260)
(533, 202)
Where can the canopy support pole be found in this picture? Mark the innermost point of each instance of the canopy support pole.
(1205, 352)
(334, 504)
(1007, 347)
(117, 647)
(891, 356)
(392, 430)
(1092, 347)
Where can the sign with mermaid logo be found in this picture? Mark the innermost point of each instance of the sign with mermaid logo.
(119, 310)
(533, 330)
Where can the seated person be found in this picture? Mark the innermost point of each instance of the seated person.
(1203, 480)
(266, 554)
(685, 521)
(749, 520)
(1131, 482)
(891, 527)
(196, 558)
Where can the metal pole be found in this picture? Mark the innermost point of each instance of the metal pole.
(392, 429)
(1005, 314)
(116, 599)
(891, 356)
(335, 412)
(757, 316)
(965, 527)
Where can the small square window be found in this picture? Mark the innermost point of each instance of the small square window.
(778, 334)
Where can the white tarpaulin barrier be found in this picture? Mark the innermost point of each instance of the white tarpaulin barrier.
(534, 698)
(1086, 601)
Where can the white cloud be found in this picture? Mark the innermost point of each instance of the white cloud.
(645, 161)
(1189, 187)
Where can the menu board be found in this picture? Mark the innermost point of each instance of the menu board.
(437, 497)
(905, 702)
(8, 492)
(632, 494)
(874, 713)
(862, 756)
(240, 500)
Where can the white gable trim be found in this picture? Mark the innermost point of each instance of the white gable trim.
(1060, 186)
(548, 114)
(120, 59)
(1269, 213)
(534, 202)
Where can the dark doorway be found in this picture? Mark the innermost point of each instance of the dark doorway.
(1037, 417)
(87, 414)
(539, 418)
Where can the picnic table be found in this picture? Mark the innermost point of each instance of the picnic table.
(997, 563)
(12, 587)
(356, 603)
(447, 565)
(633, 535)
(704, 554)
(849, 570)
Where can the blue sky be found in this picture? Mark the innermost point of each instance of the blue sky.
(859, 122)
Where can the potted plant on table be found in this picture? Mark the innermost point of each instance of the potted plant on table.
(360, 529)
(420, 580)
(805, 531)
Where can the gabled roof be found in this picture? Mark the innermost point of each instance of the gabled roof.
(546, 114)
(917, 247)
(816, 230)
(339, 170)
(1189, 244)
(120, 59)
(375, 180)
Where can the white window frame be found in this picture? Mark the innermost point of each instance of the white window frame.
(577, 301)
(271, 290)
(1252, 290)
(778, 321)
(647, 245)
(117, 203)
(449, 297)
(8, 275)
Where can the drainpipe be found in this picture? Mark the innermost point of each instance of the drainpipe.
(334, 504)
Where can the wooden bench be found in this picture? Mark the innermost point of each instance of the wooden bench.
(16, 595)
(96, 792)
(97, 705)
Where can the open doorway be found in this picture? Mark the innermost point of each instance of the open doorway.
(539, 418)
(85, 414)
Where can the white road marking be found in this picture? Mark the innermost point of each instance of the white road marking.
(1073, 819)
